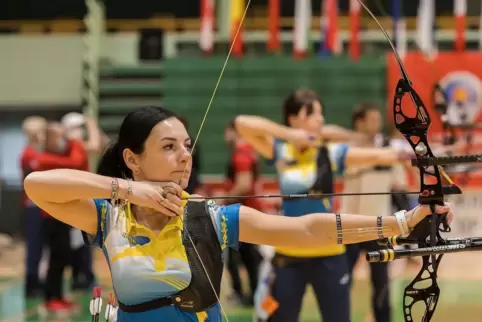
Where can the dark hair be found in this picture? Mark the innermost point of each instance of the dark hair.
(296, 101)
(231, 124)
(133, 133)
(360, 111)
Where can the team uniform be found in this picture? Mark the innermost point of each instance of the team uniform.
(146, 266)
(325, 267)
(244, 159)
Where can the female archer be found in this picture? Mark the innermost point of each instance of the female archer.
(164, 251)
(307, 166)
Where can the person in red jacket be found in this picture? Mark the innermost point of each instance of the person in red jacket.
(242, 180)
(34, 130)
(60, 152)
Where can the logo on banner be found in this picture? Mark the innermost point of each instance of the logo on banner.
(463, 91)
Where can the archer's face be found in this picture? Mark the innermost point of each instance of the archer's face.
(166, 155)
(311, 121)
(371, 124)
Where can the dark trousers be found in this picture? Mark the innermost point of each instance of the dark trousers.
(82, 274)
(58, 240)
(251, 259)
(379, 278)
(330, 280)
(34, 244)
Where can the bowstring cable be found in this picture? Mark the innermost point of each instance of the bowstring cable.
(194, 146)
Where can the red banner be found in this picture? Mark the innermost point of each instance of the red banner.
(460, 75)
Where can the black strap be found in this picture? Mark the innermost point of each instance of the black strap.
(339, 232)
(152, 305)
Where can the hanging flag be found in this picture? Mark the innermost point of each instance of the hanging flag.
(237, 10)
(425, 27)
(399, 28)
(330, 43)
(302, 28)
(460, 12)
(206, 40)
(273, 25)
(480, 31)
(354, 47)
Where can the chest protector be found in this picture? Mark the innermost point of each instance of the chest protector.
(199, 230)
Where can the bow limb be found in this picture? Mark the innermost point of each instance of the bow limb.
(194, 146)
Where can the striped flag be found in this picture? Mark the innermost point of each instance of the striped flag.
(460, 12)
(302, 28)
(273, 25)
(354, 29)
(425, 27)
(480, 31)
(237, 10)
(329, 29)
(399, 28)
(206, 41)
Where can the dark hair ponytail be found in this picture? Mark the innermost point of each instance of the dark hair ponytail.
(133, 133)
(112, 163)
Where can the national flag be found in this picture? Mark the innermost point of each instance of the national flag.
(460, 12)
(206, 40)
(273, 25)
(302, 28)
(399, 28)
(237, 10)
(425, 27)
(354, 47)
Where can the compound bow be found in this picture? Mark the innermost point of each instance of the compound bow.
(431, 245)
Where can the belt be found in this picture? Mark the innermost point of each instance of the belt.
(151, 305)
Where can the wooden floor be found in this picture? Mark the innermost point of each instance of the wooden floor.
(460, 277)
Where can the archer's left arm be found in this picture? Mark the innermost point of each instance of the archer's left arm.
(357, 156)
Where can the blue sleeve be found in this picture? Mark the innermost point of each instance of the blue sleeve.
(226, 221)
(338, 153)
(101, 206)
(273, 160)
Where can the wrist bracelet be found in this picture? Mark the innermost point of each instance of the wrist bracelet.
(402, 222)
(339, 232)
(115, 189)
(380, 227)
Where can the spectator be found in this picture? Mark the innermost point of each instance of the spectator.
(34, 130)
(60, 152)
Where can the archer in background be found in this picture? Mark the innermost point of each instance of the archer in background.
(60, 152)
(242, 177)
(307, 167)
(34, 130)
(367, 120)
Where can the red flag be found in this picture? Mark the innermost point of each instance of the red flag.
(332, 35)
(460, 11)
(354, 29)
(206, 41)
(273, 25)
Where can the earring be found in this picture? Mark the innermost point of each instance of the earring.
(137, 171)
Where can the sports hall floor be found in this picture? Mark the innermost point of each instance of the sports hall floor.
(460, 279)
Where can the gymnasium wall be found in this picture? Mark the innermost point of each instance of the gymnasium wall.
(258, 86)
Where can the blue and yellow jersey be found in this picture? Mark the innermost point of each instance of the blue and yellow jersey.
(146, 266)
(298, 173)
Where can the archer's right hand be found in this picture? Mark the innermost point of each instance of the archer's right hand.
(164, 197)
(302, 138)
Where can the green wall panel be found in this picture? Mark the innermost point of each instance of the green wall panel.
(258, 86)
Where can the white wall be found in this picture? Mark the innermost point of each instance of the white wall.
(46, 69)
